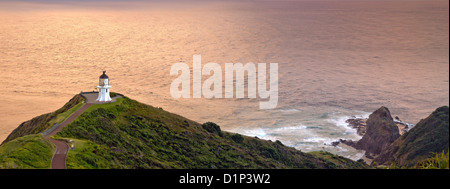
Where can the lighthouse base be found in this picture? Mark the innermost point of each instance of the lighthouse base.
(103, 94)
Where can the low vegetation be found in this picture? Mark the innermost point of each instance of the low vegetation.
(129, 134)
(43, 122)
(27, 152)
(438, 161)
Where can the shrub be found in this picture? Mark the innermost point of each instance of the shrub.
(237, 138)
(212, 128)
(279, 143)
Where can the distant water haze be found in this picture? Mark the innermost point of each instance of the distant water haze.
(336, 59)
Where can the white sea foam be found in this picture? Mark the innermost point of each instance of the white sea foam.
(259, 132)
(340, 121)
(288, 129)
(289, 135)
(341, 149)
(410, 126)
(316, 139)
(326, 141)
(291, 110)
(263, 132)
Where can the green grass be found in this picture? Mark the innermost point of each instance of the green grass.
(43, 122)
(63, 116)
(118, 102)
(336, 161)
(27, 152)
(86, 155)
(438, 161)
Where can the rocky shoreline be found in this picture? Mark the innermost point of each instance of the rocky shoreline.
(361, 127)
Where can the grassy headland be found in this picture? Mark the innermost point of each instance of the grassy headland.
(43, 122)
(129, 134)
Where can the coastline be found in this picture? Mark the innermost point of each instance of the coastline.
(360, 125)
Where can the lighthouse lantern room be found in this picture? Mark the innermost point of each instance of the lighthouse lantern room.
(103, 88)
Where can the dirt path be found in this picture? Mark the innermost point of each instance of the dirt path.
(62, 148)
(59, 158)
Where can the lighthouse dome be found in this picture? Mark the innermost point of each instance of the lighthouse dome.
(104, 76)
(104, 79)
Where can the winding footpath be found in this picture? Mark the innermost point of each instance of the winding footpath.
(62, 148)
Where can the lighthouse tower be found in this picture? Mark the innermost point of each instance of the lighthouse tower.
(103, 88)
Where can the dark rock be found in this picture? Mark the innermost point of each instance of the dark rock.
(348, 142)
(358, 124)
(381, 131)
(335, 143)
(368, 155)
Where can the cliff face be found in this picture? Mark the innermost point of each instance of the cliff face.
(381, 131)
(429, 135)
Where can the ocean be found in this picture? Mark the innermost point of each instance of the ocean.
(336, 59)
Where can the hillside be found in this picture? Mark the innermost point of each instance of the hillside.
(128, 134)
(429, 135)
(27, 152)
(43, 122)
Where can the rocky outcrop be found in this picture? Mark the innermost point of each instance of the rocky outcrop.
(429, 135)
(381, 131)
(378, 132)
(359, 124)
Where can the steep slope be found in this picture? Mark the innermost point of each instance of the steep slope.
(45, 121)
(429, 135)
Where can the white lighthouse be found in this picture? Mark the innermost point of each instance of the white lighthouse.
(103, 88)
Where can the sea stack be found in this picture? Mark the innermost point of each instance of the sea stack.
(381, 132)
